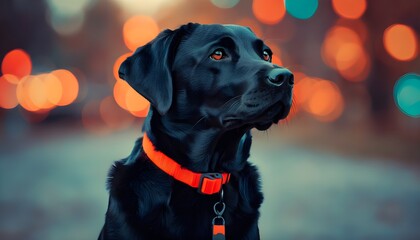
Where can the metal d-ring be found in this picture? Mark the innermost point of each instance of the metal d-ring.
(223, 207)
(218, 217)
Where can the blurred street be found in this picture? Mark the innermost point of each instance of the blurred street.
(52, 186)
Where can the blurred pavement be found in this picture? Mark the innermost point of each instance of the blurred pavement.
(53, 187)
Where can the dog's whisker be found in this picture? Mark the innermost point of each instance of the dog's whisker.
(231, 100)
(199, 120)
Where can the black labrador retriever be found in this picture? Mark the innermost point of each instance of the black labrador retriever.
(188, 177)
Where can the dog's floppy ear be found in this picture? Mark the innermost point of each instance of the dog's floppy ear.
(148, 70)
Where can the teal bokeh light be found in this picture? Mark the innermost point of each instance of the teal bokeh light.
(302, 9)
(225, 3)
(407, 94)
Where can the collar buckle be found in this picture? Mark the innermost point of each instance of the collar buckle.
(210, 183)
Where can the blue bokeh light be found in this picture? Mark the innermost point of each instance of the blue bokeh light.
(225, 3)
(407, 94)
(301, 9)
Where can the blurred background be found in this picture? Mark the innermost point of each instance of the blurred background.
(344, 165)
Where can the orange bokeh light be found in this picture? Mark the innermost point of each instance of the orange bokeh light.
(118, 63)
(46, 91)
(347, 55)
(303, 89)
(343, 50)
(23, 93)
(54, 89)
(335, 39)
(128, 99)
(326, 102)
(358, 71)
(401, 42)
(17, 62)
(276, 60)
(38, 93)
(11, 79)
(69, 84)
(136, 104)
(138, 31)
(319, 97)
(140, 114)
(357, 26)
(120, 90)
(352, 9)
(8, 99)
(268, 11)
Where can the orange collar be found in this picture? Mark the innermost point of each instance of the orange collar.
(206, 183)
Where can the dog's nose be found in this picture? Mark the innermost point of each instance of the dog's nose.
(279, 76)
(122, 71)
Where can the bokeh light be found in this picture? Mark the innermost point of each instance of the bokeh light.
(321, 98)
(401, 42)
(336, 38)
(136, 104)
(24, 92)
(11, 79)
(407, 94)
(69, 84)
(67, 17)
(326, 102)
(66, 25)
(68, 8)
(17, 62)
(120, 91)
(8, 99)
(359, 69)
(38, 92)
(276, 60)
(352, 9)
(301, 9)
(268, 11)
(46, 91)
(144, 6)
(140, 114)
(138, 31)
(225, 3)
(343, 50)
(54, 89)
(128, 99)
(357, 25)
(302, 89)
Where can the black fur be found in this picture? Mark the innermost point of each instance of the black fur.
(202, 111)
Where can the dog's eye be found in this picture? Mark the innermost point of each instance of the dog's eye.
(218, 54)
(266, 56)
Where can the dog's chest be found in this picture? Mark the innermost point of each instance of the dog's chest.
(158, 207)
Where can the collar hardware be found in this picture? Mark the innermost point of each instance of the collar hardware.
(212, 182)
(206, 183)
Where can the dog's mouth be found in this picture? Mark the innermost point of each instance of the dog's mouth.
(261, 121)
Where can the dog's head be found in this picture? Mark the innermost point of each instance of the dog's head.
(218, 73)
